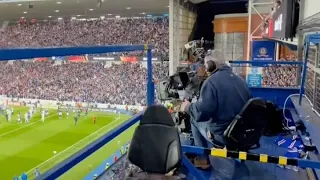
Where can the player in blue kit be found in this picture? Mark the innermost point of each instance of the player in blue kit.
(2, 109)
(79, 112)
(29, 115)
(87, 109)
(75, 120)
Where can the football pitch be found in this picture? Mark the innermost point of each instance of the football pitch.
(43, 145)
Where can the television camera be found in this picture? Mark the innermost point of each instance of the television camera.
(183, 85)
(172, 92)
(186, 83)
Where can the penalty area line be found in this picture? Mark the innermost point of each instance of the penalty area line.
(9, 132)
(111, 125)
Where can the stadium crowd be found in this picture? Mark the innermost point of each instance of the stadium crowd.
(123, 83)
(154, 31)
(124, 170)
(281, 75)
(118, 84)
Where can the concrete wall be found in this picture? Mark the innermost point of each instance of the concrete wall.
(181, 21)
(311, 7)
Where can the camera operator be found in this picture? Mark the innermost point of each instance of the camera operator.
(222, 96)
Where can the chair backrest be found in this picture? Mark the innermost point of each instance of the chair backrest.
(155, 146)
(246, 129)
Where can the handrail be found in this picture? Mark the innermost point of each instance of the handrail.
(267, 62)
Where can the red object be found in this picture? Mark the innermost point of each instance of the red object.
(41, 59)
(33, 20)
(22, 20)
(77, 59)
(115, 159)
(271, 28)
(129, 59)
(268, 32)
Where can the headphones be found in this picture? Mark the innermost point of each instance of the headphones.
(211, 66)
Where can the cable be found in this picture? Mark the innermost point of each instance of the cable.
(284, 109)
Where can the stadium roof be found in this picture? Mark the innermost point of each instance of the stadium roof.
(47, 9)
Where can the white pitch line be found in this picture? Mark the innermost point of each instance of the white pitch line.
(22, 127)
(112, 123)
(32, 124)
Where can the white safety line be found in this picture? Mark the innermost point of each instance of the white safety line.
(23, 127)
(112, 124)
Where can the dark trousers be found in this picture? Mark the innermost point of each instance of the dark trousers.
(223, 168)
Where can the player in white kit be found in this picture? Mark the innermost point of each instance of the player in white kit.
(19, 118)
(30, 113)
(26, 119)
(60, 114)
(42, 116)
(9, 114)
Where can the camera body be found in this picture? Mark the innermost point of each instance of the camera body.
(175, 89)
(182, 85)
(185, 84)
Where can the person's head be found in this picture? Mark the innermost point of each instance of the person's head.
(213, 60)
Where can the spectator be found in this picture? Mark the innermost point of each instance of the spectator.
(91, 82)
(128, 31)
(123, 83)
(280, 75)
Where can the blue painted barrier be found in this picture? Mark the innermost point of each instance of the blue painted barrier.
(19, 53)
(102, 167)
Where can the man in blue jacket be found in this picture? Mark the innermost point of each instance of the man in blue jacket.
(222, 96)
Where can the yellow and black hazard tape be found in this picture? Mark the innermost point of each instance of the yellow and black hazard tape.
(264, 158)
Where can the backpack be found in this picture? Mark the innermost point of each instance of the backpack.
(247, 127)
(274, 124)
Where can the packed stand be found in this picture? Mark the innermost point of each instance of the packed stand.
(124, 170)
(125, 31)
(123, 83)
(281, 75)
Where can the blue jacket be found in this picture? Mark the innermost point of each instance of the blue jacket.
(222, 97)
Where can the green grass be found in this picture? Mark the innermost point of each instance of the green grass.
(87, 165)
(29, 145)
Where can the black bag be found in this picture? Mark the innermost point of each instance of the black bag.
(247, 127)
(274, 124)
